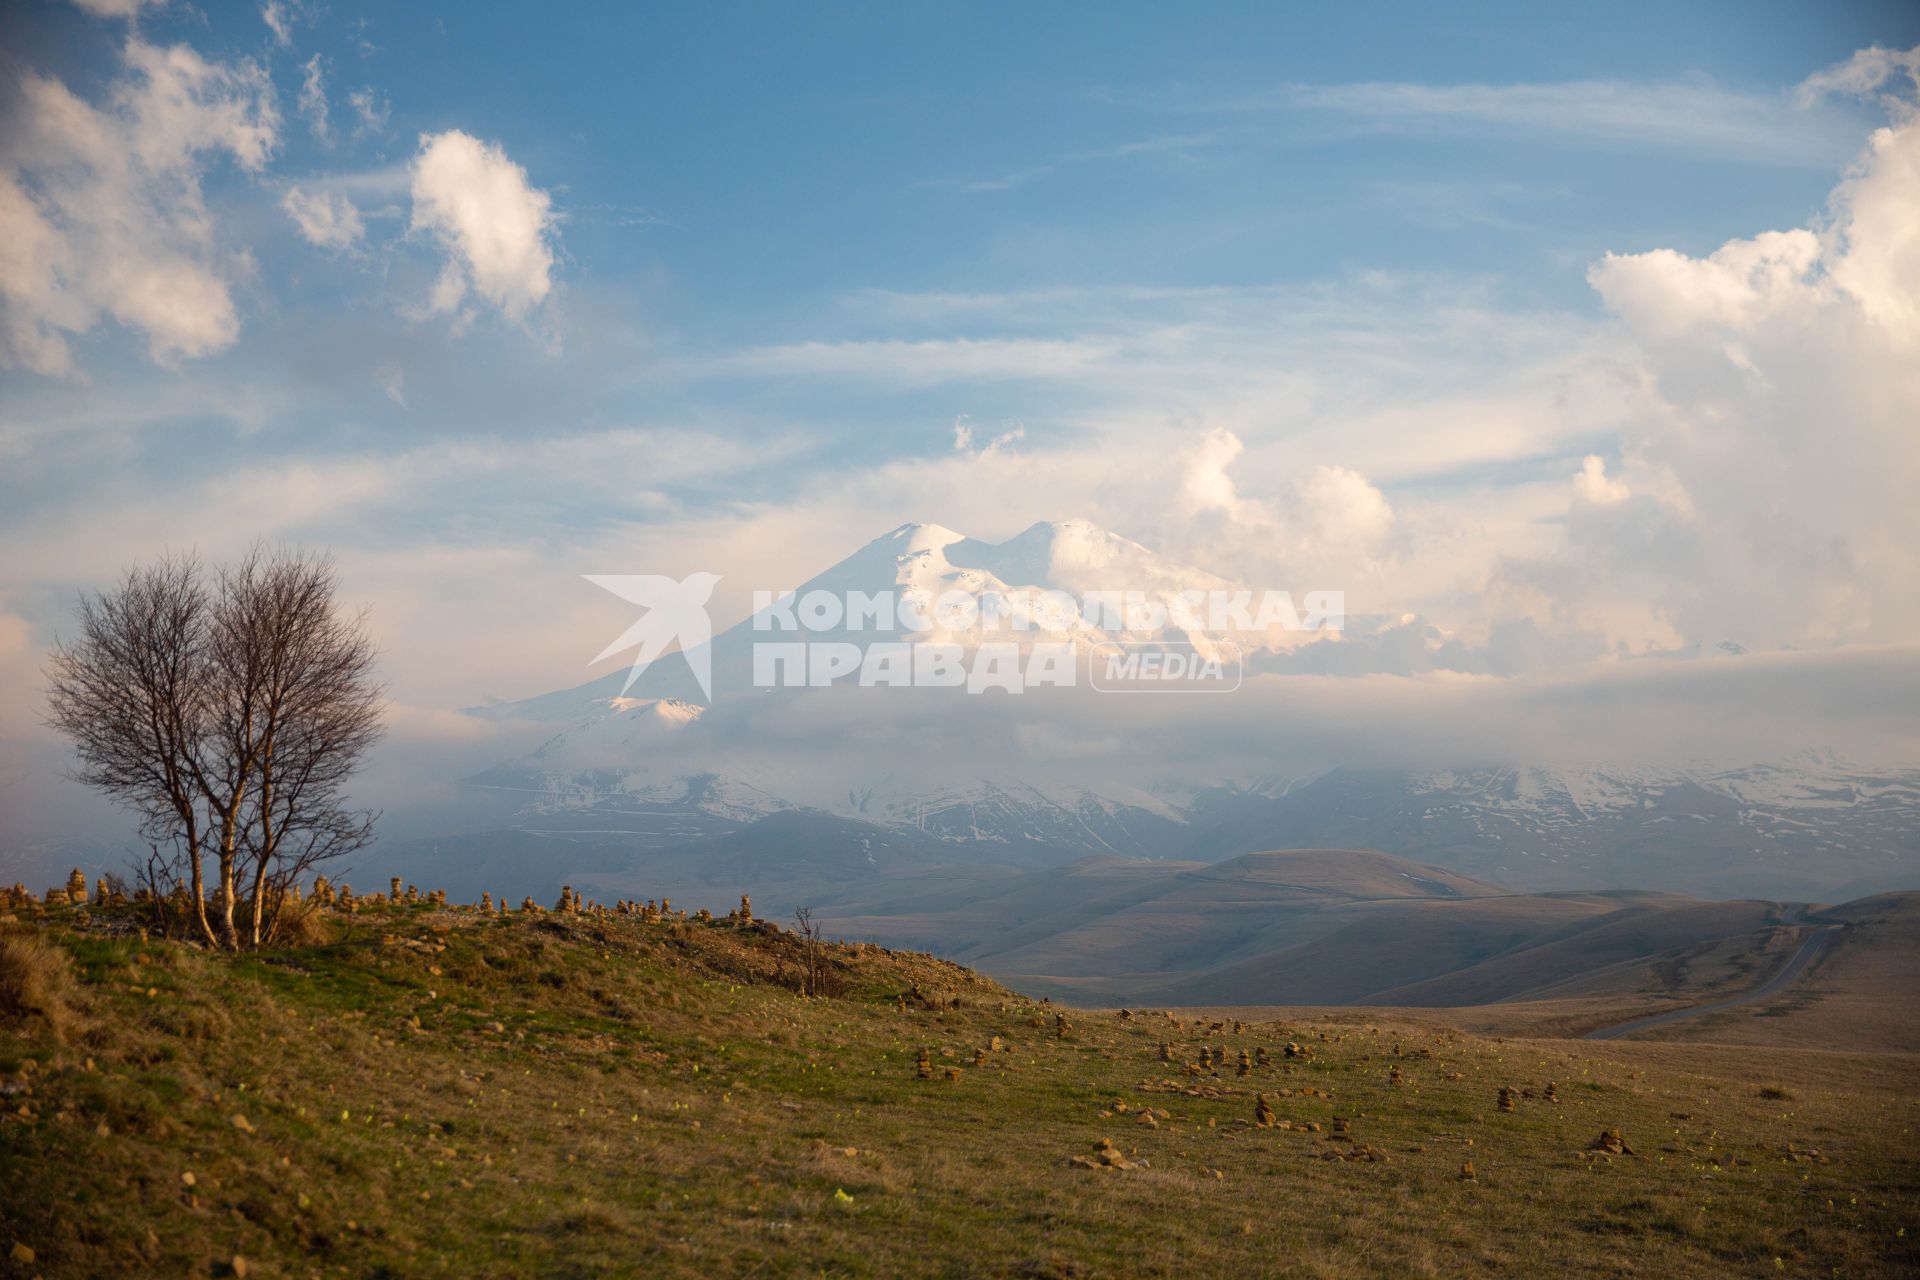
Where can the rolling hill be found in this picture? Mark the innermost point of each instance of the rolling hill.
(1326, 927)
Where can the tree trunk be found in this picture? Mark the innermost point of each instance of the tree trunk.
(199, 887)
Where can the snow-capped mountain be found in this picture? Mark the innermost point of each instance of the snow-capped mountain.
(1019, 588)
(1014, 817)
(1763, 829)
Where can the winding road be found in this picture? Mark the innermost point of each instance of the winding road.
(1816, 942)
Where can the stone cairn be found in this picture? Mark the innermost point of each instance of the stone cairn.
(393, 889)
(1261, 1058)
(1263, 1117)
(1246, 1064)
(1166, 1052)
(486, 902)
(1060, 1027)
(923, 1068)
(1507, 1101)
(1610, 1143)
(77, 887)
(746, 909)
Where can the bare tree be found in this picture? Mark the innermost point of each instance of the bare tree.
(809, 930)
(228, 710)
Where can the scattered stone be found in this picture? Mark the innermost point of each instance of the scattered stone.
(22, 1254)
(997, 1045)
(1552, 1094)
(953, 1073)
(1105, 1156)
(1466, 1172)
(243, 1124)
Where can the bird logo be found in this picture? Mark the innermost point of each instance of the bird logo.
(676, 611)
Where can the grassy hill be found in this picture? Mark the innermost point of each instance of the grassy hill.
(428, 1092)
(1352, 926)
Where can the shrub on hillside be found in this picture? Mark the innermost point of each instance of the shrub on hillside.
(36, 980)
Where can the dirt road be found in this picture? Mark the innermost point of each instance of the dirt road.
(1816, 942)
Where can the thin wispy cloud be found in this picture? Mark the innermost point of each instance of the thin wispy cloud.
(1689, 115)
(1186, 144)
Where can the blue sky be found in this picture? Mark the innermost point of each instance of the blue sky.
(487, 297)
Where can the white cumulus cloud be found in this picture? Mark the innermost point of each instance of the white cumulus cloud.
(495, 226)
(1785, 372)
(117, 8)
(101, 207)
(313, 96)
(1592, 484)
(325, 218)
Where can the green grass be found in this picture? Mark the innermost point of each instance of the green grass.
(578, 1096)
